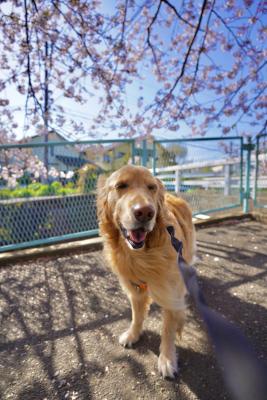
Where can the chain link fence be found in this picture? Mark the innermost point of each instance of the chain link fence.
(47, 190)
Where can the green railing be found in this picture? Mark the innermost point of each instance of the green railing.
(260, 176)
(47, 190)
(207, 172)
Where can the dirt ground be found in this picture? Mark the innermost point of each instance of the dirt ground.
(61, 318)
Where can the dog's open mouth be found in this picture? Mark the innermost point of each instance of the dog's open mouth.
(135, 237)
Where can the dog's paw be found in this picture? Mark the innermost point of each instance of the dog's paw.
(167, 366)
(128, 338)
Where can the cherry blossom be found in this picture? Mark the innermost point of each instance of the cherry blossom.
(199, 64)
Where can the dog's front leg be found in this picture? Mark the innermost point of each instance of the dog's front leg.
(173, 322)
(140, 305)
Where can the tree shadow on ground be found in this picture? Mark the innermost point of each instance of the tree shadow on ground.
(65, 299)
(199, 370)
(40, 323)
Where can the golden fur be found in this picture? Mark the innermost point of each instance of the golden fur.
(156, 262)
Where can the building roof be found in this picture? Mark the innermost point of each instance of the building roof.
(49, 133)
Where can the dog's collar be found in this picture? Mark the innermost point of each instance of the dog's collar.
(140, 287)
(177, 244)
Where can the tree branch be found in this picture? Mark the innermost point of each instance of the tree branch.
(35, 5)
(189, 48)
(200, 50)
(124, 21)
(244, 82)
(80, 35)
(249, 105)
(163, 101)
(263, 130)
(31, 91)
(177, 13)
(149, 34)
(240, 45)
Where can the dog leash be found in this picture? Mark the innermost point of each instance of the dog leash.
(244, 375)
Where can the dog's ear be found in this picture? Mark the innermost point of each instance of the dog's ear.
(102, 197)
(161, 194)
(104, 214)
(161, 216)
(156, 235)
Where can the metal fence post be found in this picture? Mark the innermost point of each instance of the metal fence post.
(144, 153)
(227, 180)
(133, 152)
(154, 158)
(256, 170)
(178, 179)
(248, 147)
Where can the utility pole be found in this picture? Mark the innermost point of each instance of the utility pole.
(46, 108)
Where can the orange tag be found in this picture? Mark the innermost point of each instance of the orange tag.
(143, 286)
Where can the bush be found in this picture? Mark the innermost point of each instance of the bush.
(38, 190)
(87, 179)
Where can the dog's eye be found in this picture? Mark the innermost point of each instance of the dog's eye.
(151, 187)
(121, 185)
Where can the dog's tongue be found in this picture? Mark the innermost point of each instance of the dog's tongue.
(137, 235)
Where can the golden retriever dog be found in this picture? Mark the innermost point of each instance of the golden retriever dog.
(133, 212)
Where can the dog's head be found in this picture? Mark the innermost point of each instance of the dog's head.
(131, 201)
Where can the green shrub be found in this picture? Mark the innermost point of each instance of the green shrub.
(87, 179)
(39, 190)
(5, 194)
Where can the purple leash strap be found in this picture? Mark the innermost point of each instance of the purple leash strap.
(244, 375)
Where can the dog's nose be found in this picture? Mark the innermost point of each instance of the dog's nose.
(143, 214)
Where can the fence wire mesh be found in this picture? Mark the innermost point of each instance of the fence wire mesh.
(47, 192)
(205, 172)
(260, 189)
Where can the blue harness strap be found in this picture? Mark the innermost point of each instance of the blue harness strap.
(244, 375)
